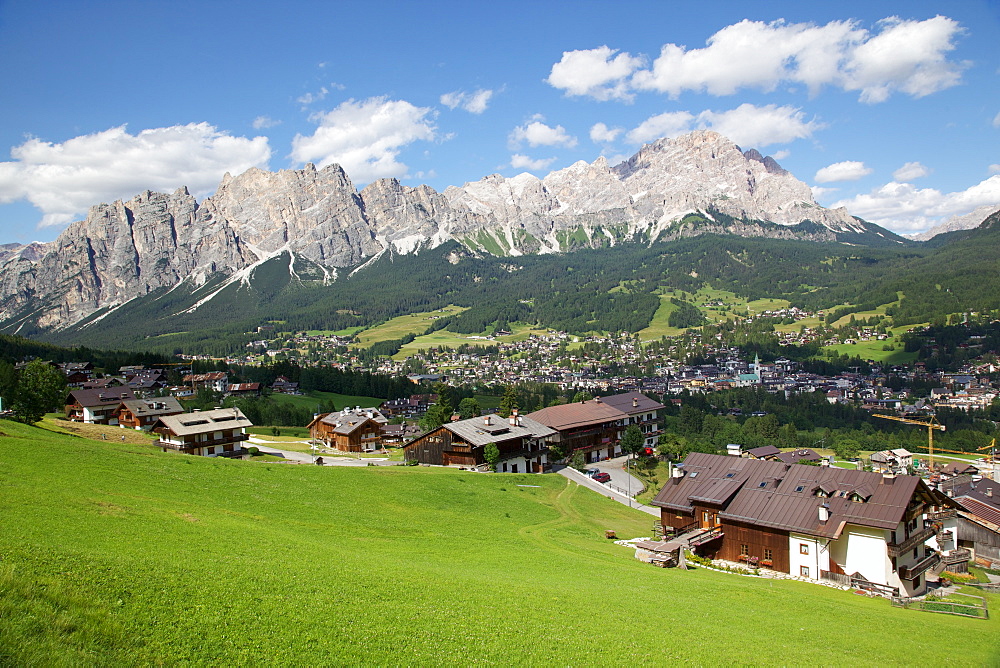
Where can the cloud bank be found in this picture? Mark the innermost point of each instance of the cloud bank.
(64, 179)
(897, 56)
(366, 137)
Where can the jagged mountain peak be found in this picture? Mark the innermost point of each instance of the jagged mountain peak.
(125, 250)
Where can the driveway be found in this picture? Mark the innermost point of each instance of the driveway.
(610, 492)
(620, 480)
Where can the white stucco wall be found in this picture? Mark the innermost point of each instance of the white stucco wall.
(817, 559)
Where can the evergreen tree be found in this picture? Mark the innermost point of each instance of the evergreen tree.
(40, 388)
(509, 402)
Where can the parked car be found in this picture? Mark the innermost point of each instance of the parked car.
(592, 472)
(602, 477)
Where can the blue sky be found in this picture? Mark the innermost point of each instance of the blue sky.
(889, 109)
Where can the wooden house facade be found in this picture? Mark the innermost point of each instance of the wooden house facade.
(96, 406)
(813, 522)
(522, 443)
(207, 433)
(349, 430)
(143, 413)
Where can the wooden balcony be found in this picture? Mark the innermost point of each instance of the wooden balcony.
(956, 556)
(915, 539)
(189, 446)
(913, 572)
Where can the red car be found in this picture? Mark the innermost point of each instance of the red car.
(602, 477)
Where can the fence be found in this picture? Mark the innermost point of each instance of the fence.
(977, 610)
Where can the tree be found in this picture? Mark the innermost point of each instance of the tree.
(509, 402)
(673, 446)
(582, 396)
(491, 453)
(468, 408)
(846, 448)
(40, 388)
(632, 440)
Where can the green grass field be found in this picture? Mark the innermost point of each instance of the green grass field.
(119, 554)
(397, 328)
(447, 338)
(312, 399)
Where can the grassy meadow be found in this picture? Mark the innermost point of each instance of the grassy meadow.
(120, 554)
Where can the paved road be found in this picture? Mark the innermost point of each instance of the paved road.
(586, 481)
(626, 482)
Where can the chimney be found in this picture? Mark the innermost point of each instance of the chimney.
(824, 512)
(635, 402)
(950, 493)
(597, 400)
(678, 472)
(486, 420)
(513, 418)
(989, 491)
(888, 477)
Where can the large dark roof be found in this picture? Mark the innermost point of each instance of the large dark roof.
(784, 496)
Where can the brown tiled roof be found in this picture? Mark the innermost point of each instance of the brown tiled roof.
(582, 414)
(623, 402)
(99, 396)
(783, 496)
(202, 422)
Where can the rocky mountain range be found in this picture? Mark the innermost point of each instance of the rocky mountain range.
(671, 188)
(955, 223)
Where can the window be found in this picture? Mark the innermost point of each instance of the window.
(800, 488)
(730, 475)
(694, 474)
(763, 484)
(803, 548)
(804, 571)
(767, 554)
(744, 550)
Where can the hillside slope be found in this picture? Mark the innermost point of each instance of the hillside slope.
(123, 555)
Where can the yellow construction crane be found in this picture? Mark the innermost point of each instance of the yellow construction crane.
(930, 422)
(990, 458)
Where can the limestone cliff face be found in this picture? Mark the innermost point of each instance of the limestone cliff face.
(125, 250)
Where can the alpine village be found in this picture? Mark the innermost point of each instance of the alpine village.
(664, 409)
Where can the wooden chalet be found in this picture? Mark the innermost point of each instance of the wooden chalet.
(349, 430)
(282, 385)
(522, 442)
(208, 433)
(595, 427)
(143, 413)
(96, 406)
(854, 527)
(217, 381)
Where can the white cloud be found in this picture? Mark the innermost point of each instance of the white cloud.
(537, 133)
(670, 124)
(903, 208)
(820, 191)
(781, 155)
(64, 180)
(750, 125)
(747, 125)
(602, 134)
(910, 171)
(996, 120)
(907, 56)
(309, 98)
(518, 161)
(264, 122)
(595, 73)
(365, 137)
(849, 170)
(995, 169)
(474, 103)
